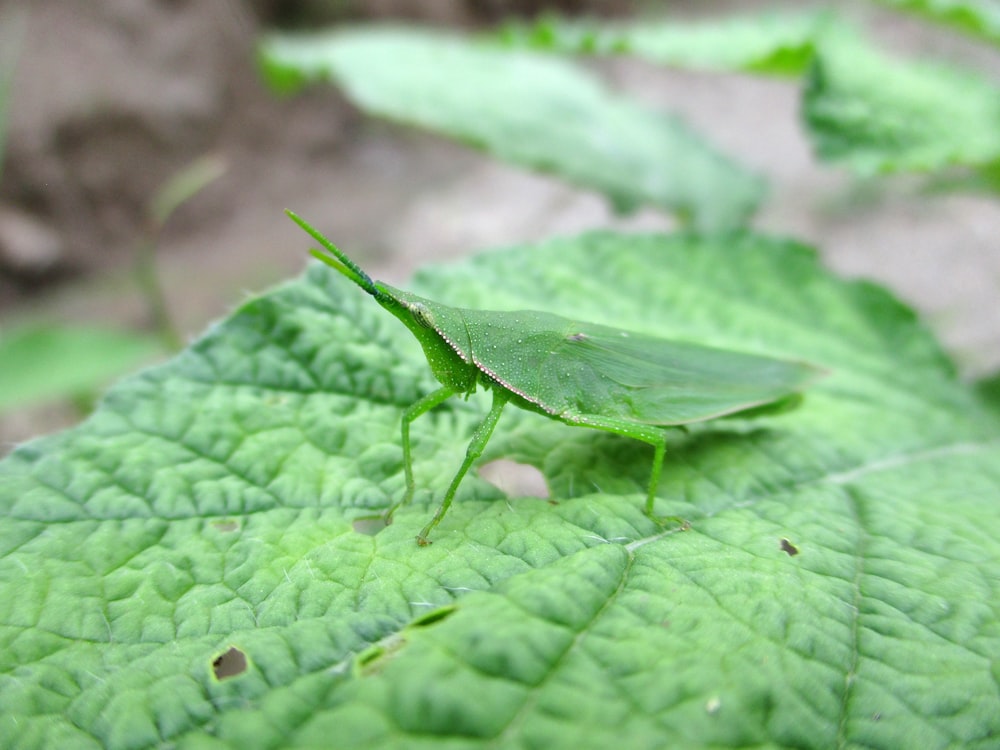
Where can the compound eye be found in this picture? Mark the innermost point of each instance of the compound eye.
(422, 315)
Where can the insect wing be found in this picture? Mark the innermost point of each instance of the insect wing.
(572, 370)
(659, 382)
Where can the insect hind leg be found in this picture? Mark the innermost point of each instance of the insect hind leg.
(660, 448)
(655, 436)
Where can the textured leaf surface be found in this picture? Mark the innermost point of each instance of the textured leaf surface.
(532, 110)
(883, 115)
(839, 587)
(976, 17)
(772, 43)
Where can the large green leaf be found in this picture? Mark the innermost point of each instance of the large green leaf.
(529, 109)
(839, 587)
(976, 17)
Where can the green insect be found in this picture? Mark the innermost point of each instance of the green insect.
(582, 374)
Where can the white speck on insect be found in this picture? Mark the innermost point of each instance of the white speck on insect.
(713, 704)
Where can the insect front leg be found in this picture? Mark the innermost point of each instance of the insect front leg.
(476, 446)
(422, 406)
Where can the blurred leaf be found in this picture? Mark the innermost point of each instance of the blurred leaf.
(979, 18)
(989, 389)
(771, 43)
(860, 106)
(883, 115)
(184, 185)
(532, 110)
(183, 570)
(42, 362)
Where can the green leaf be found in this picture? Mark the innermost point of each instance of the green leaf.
(976, 17)
(882, 115)
(769, 43)
(531, 110)
(43, 362)
(183, 569)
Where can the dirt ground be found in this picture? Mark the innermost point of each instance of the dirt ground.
(110, 99)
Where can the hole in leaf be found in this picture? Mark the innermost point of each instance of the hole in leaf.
(435, 616)
(514, 479)
(227, 526)
(370, 655)
(791, 549)
(369, 525)
(229, 664)
(375, 658)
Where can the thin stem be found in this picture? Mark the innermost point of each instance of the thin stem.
(148, 280)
